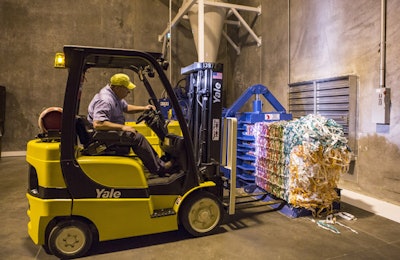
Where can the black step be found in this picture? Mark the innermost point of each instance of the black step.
(163, 212)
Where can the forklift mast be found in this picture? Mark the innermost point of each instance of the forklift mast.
(205, 113)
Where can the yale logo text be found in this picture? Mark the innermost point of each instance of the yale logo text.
(103, 193)
(217, 93)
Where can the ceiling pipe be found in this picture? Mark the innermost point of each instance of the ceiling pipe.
(288, 41)
(382, 69)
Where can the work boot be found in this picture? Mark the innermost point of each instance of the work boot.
(168, 167)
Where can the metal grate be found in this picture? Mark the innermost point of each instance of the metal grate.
(334, 98)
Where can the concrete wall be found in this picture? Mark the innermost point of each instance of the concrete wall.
(332, 38)
(32, 32)
(327, 38)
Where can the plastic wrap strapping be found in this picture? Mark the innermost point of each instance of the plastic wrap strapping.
(314, 176)
(302, 160)
(261, 129)
(249, 130)
(318, 156)
(261, 154)
(270, 156)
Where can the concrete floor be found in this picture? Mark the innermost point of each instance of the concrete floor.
(261, 234)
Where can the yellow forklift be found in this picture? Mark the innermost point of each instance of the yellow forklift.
(80, 191)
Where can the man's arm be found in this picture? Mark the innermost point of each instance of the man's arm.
(107, 125)
(132, 109)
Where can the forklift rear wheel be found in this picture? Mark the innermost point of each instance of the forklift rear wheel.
(201, 214)
(46, 249)
(70, 239)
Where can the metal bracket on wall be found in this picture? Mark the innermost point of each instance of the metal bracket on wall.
(232, 9)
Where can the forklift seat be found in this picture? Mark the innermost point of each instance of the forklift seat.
(117, 143)
(101, 142)
(84, 130)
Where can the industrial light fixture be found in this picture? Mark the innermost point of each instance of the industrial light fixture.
(59, 61)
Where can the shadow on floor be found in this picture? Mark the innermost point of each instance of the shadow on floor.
(233, 222)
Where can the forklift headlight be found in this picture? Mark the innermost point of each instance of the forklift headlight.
(59, 61)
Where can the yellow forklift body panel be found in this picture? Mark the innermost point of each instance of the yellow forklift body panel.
(45, 158)
(180, 199)
(44, 211)
(114, 171)
(121, 218)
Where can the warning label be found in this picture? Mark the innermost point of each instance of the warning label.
(272, 116)
(215, 129)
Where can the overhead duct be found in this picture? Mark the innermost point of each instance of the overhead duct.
(213, 18)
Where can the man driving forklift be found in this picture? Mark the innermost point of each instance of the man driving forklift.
(80, 194)
(106, 112)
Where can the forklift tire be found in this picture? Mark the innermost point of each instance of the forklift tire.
(46, 249)
(201, 214)
(70, 239)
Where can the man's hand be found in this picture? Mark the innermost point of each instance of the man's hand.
(148, 107)
(128, 128)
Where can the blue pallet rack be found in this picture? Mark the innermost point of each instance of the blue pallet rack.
(245, 136)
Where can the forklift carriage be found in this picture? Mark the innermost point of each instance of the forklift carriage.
(81, 191)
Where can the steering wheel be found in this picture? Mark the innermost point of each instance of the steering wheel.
(155, 121)
(145, 116)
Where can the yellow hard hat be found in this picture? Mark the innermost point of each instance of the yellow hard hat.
(121, 79)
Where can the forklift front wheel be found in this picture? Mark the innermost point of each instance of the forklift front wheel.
(201, 214)
(70, 239)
